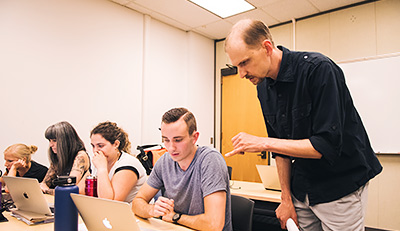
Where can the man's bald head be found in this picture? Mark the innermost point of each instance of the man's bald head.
(251, 32)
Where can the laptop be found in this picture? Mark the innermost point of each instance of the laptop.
(104, 214)
(269, 177)
(29, 200)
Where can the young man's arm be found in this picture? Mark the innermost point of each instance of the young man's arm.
(213, 217)
(141, 206)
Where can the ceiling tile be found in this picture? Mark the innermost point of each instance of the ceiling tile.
(158, 16)
(180, 10)
(187, 16)
(218, 30)
(286, 10)
(324, 5)
(121, 2)
(257, 14)
(261, 3)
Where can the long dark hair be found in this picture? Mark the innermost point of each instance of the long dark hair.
(68, 146)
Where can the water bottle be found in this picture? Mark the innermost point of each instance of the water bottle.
(65, 212)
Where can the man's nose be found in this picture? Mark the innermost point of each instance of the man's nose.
(242, 73)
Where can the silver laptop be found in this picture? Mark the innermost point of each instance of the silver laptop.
(269, 177)
(103, 214)
(31, 205)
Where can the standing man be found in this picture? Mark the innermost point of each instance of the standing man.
(195, 178)
(322, 151)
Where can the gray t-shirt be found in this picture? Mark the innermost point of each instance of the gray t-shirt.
(206, 174)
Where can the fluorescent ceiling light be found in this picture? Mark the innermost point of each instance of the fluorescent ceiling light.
(224, 8)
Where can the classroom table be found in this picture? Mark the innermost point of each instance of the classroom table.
(255, 191)
(150, 224)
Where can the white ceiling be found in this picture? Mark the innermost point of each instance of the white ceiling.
(190, 17)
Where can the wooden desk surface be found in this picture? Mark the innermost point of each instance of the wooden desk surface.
(152, 223)
(254, 191)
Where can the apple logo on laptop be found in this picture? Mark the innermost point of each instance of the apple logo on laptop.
(26, 195)
(107, 223)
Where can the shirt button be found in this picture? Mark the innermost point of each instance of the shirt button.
(283, 115)
(279, 95)
(305, 56)
(288, 135)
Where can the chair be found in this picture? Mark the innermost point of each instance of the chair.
(242, 213)
(230, 172)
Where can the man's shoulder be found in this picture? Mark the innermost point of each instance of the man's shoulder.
(311, 57)
(208, 151)
(209, 155)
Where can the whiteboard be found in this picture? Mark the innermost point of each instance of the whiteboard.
(375, 87)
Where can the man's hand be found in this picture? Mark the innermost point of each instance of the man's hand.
(164, 207)
(285, 211)
(244, 142)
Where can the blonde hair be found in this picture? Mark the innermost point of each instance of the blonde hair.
(21, 151)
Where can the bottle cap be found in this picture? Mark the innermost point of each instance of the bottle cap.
(65, 180)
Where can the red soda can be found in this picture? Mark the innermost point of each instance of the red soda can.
(91, 186)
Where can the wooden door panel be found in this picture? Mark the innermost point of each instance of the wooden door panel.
(241, 112)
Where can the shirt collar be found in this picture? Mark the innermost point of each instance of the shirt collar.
(285, 73)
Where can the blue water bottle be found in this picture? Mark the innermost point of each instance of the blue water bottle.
(65, 212)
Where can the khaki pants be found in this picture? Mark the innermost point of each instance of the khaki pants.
(346, 213)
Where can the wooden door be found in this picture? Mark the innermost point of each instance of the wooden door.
(241, 112)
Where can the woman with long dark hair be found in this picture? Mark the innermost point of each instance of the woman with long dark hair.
(67, 156)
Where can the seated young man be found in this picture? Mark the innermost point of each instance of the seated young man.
(195, 179)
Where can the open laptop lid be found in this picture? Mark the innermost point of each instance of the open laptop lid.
(27, 195)
(269, 177)
(103, 214)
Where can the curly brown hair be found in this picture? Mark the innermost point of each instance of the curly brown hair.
(111, 132)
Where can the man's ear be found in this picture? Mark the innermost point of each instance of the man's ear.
(267, 45)
(195, 136)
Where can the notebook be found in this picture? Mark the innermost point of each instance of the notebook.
(31, 205)
(103, 214)
(269, 177)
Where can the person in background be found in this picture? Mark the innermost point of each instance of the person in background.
(18, 163)
(195, 179)
(323, 154)
(119, 174)
(67, 155)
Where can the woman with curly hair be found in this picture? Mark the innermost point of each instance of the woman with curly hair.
(119, 174)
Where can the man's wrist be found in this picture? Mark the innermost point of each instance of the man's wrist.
(176, 218)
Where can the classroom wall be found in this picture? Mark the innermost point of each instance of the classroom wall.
(88, 61)
(356, 33)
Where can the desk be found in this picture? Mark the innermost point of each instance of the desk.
(151, 224)
(265, 203)
(255, 191)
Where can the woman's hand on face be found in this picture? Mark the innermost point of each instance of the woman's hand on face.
(20, 164)
(100, 160)
(17, 165)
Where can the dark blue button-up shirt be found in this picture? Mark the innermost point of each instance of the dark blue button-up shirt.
(310, 100)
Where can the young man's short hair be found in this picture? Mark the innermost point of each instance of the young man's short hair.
(175, 114)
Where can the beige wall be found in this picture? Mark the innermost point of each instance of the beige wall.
(367, 30)
(94, 60)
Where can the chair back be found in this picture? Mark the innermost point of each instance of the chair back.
(242, 213)
(230, 172)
